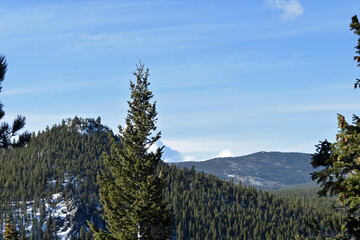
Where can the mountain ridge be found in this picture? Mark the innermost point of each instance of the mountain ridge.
(269, 170)
(50, 192)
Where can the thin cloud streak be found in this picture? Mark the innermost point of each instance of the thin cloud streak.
(319, 108)
(290, 9)
(51, 23)
(82, 85)
(28, 19)
(226, 76)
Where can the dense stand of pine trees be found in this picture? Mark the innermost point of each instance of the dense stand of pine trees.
(31, 175)
(203, 206)
(208, 208)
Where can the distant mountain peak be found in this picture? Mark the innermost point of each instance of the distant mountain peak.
(272, 170)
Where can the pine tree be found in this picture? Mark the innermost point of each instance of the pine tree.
(130, 189)
(7, 132)
(10, 232)
(355, 26)
(340, 162)
(340, 175)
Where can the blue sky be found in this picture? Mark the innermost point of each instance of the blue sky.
(230, 77)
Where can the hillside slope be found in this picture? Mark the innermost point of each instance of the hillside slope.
(49, 191)
(270, 170)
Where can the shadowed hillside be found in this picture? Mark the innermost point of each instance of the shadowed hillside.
(269, 170)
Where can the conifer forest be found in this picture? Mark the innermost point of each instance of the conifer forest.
(67, 157)
(80, 179)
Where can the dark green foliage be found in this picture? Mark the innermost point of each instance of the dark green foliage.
(199, 202)
(340, 176)
(54, 161)
(355, 26)
(3, 67)
(205, 207)
(56, 154)
(7, 132)
(321, 158)
(130, 191)
(10, 232)
(301, 192)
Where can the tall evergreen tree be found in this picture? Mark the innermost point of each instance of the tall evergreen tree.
(340, 162)
(7, 132)
(130, 189)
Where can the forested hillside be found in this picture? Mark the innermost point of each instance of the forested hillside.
(267, 170)
(63, 159)
(50, 190)
(206, 207)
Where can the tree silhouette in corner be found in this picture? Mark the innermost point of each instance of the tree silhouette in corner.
(7, 132)
(340, 163)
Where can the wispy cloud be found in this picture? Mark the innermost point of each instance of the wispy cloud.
(290, 9)
(63, 21)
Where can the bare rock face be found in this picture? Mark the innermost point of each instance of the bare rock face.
(72, 215)
(58, 217)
